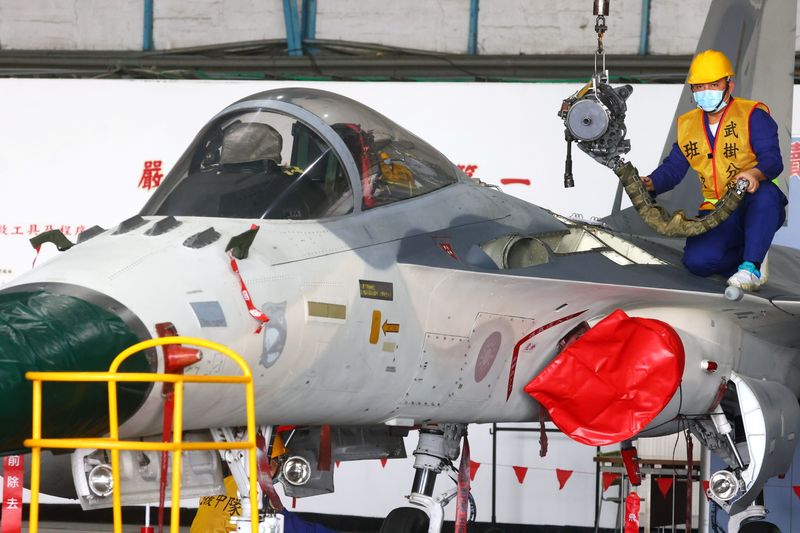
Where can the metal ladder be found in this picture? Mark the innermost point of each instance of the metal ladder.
(115, 445)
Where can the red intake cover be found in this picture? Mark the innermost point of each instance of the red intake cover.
(614, 380)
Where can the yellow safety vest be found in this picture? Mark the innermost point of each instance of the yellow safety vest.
(718, 162)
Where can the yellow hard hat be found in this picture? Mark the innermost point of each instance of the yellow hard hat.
(708, 66)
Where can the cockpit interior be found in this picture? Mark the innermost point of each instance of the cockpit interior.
(264, 162)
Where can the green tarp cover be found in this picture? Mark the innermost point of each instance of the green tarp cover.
(43, 331)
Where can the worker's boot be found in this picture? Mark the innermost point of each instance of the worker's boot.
(748, 277)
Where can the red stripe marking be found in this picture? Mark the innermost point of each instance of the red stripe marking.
(515, 181)
(525, 339)
(462, 494)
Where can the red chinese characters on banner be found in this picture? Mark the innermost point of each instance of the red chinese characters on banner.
(515, 181)
(469, 170)
(29, 229)
(794, 157)
(13, 472)
(10, 230)
(151, 175)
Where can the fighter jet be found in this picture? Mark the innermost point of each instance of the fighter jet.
(374, 289)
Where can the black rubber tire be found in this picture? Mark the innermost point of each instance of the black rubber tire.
(406, 520)
(759, 527)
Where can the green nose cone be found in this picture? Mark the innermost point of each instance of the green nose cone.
(43, 331)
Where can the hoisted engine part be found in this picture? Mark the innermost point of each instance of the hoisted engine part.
(594, 119)
(595, 115)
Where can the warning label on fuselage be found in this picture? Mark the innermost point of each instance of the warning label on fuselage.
(377, 290)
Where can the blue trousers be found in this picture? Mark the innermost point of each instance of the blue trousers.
(745, 236)
(294, 524)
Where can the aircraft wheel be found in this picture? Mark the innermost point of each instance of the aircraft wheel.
(759, 527)
(406, 520)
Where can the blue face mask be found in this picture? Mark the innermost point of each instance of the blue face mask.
(710, 100)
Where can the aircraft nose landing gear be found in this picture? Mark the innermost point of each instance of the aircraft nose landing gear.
(437, 448)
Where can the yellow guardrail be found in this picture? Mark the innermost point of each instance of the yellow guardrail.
(113, 442)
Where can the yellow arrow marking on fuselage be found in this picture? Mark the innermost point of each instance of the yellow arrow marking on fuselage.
(390, 328)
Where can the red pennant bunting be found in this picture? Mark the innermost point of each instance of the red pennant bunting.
(473, 469)
(704, 483)
(608, 479)
(521, 472)
(563, 476)
(664, 484)
(338, 463)
(384, 460)
(796, 489)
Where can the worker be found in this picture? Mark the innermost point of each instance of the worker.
(727, 139)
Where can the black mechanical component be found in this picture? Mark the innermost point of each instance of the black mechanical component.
(406, 520)
(56, 237)
(595, 120)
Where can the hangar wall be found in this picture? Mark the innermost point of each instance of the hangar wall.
(505, 26)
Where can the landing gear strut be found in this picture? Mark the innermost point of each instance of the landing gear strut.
(437, 447)
(269, 520)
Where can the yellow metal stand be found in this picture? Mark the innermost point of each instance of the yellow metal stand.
(113, 442)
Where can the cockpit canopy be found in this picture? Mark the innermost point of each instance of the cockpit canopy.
(298, 154)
